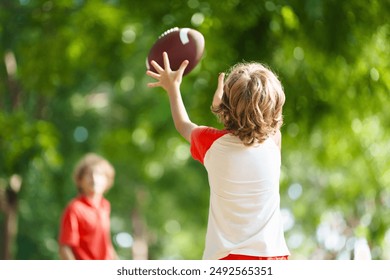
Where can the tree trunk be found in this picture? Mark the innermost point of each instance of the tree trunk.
(9, 204)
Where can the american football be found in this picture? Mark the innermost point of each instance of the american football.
(180, 44)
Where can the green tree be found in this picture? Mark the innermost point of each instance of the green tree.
(72, 80)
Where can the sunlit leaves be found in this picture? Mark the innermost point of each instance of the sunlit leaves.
(81, 72)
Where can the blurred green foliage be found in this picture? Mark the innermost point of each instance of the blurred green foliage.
(72, 80)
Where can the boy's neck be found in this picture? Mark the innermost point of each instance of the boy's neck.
(94, 198)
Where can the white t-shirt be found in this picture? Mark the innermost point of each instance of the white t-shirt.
(244, 215)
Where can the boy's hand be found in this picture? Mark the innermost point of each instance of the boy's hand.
(219, 92)
(166, 77)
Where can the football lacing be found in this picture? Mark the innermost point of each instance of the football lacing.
(174, 29)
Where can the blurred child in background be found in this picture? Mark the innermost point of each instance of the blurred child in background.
(85, 224)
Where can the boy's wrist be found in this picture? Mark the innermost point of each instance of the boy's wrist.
(174, 90)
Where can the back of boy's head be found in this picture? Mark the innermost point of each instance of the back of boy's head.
(252, 102)
(89, 163)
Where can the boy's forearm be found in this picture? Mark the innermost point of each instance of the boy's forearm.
(180, 116)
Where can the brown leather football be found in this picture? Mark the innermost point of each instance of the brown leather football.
(180, 44)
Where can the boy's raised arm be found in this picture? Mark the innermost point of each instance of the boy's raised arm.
(170, 81)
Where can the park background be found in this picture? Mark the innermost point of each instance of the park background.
(72, 81)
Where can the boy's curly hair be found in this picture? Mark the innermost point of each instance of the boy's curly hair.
(252, 102)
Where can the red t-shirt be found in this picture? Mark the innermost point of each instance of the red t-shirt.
(86, 229)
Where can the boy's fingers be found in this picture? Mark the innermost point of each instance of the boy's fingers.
(152, 74)
(166, 61)
(219, 91)
(157, 66)
(221, 79)
(156, 84)
(183, 66)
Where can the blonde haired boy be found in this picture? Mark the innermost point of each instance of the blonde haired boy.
(242, 161)
(85, 224)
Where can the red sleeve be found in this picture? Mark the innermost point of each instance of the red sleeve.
(202, 138)
(69, 231)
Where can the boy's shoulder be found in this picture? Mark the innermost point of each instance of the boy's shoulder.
(206, 135)
(81, 202)
(207, 131)
(202, 138)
